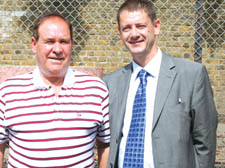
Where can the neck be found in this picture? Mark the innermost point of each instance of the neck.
(54, 82)
(145, 58)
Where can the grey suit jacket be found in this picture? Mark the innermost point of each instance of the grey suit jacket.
(184, 119)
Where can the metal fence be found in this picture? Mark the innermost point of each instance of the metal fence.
(188, 26)
(193, 29)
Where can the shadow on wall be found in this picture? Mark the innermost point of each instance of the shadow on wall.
(70, 9)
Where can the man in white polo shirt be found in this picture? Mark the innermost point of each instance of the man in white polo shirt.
(53, 115)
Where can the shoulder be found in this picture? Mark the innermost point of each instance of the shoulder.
(186, 64)
(185, 70)
(86, 80)
(118, 73)
(182, 65)
(16, 83)
(81, 76)
(20, 79)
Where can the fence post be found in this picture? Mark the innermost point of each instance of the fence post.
(199, 31)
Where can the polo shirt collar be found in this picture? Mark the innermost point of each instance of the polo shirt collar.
(38, 81)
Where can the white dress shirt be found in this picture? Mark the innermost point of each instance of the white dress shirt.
(153, 68)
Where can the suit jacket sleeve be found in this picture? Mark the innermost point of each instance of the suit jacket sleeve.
(204, 121)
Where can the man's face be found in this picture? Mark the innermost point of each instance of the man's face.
(138, 32)
(53, 48)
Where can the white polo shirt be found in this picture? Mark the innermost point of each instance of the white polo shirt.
(48, 131)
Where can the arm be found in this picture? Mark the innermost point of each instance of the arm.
(103, 153)
(204, 121)
(103, 137)
(2, 150)
(3, 132)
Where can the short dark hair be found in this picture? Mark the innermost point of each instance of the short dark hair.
(134, 5)
(45, 16)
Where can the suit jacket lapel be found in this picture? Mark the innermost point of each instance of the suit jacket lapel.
(166, 77)
(123, 87)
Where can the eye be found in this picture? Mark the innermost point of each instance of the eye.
(50, 41)
(126, 29)
(141, 26)
(65, 41)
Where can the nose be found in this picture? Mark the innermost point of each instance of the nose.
(134, 33)
(57, 49)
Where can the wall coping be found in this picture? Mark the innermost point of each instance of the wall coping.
(7, 71)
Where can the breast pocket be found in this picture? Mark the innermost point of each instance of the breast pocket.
(179, 120)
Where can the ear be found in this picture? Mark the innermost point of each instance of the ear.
(33, 44)
(120, 32)
(157, 27)
(72, 42)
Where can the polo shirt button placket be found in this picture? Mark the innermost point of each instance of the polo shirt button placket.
(56, 108)
(54, 102)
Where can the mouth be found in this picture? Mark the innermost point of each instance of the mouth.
(136, 42)
(56, 59)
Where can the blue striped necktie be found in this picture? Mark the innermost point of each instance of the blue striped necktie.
(134, 151)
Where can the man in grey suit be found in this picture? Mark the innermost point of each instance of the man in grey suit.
(180, 117)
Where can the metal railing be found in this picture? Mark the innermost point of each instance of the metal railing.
(192, 29)
(188, 27)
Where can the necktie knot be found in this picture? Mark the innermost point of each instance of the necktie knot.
(143, 76)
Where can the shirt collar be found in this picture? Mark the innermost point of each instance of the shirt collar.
(39, 82)
(152, 67)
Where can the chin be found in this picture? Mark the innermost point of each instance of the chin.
(139, 52)
(136, 50)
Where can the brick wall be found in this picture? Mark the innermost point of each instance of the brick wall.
(98, 44)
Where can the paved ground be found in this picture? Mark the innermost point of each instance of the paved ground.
(220, 156)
